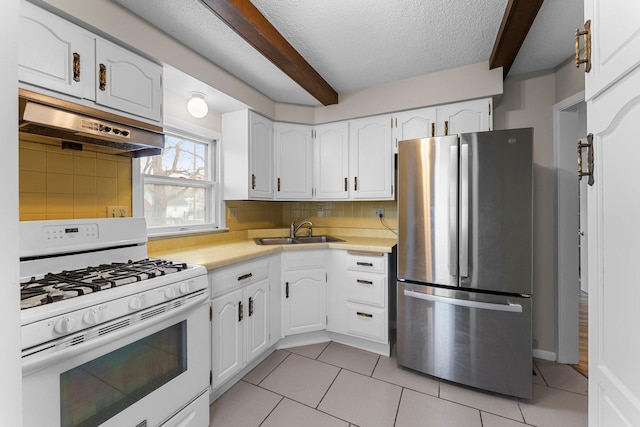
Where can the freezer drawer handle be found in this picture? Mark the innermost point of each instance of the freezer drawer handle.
(513, 308)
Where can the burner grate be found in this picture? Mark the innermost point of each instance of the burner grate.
(67, 284)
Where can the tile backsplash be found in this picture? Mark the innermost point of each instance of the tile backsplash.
(67, 184)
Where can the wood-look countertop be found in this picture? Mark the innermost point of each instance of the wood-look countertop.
(223, 254)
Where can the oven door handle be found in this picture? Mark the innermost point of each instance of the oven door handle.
(39, 358)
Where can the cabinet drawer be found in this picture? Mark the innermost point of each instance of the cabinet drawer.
(366, 321)
(366, 288)
(228, 278)
(373, 262)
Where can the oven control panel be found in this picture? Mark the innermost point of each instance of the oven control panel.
(84, 232)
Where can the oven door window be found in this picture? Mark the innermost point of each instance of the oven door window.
(93, 392)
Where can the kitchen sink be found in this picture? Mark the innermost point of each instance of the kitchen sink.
(296, 240)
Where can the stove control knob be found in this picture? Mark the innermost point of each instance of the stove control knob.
(135, 303)
(184, 288)
(64, 325)
(170, 292)
(91, 317)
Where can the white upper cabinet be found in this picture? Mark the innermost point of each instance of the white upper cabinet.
(413, 124)
(463, 117)
(331, 161)
(370, 158)
(615, 42)
(128, 82)
(55, 54)
(294, 161)
(247, 152)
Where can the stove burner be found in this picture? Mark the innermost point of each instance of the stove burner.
(54, 287)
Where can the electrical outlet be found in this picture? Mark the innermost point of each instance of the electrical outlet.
(378, 212)
(320, 209)
(117, 211)
(233, 212)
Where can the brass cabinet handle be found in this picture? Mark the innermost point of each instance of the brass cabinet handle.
(355, 183)
(589, 147)
(76, 67)
(446, 127)
(278, 184)
(286, 290)
(102, 77)
(433, 129)
(365, 282)
(250, 306)
(346, 188)
(245, 276)
(253, 181)
(240, 311)
(363, 314)
(587, 47)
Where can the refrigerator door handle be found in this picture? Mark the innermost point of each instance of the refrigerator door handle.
(453, 212)
(464, 210)
(510, 307)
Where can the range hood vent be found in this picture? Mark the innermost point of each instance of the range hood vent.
(50, 120)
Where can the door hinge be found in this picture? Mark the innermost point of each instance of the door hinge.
(489, 109)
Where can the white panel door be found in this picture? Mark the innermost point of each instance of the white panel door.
(304, 304)
(128, 82)
(331, 161)
(48, 48)
(257, 318)
(370, 158)
(261, 156)
(614, 207)
(414, 124)
(294, 161)
(615, 42)
(227, 337)
(464, 117)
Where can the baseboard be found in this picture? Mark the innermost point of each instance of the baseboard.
(544, 354)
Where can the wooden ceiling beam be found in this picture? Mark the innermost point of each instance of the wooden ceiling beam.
(247, 21)
(516, 22)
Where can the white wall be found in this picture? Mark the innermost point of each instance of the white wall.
(10, 370)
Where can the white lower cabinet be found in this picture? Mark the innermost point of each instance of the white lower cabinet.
(304, 279)
(240, 317)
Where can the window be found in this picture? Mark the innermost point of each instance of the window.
(179, 189)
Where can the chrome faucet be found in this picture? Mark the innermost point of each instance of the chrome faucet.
(293, 229)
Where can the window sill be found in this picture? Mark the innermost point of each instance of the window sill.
(162, 234)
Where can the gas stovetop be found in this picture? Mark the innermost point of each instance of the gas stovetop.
(53, 287)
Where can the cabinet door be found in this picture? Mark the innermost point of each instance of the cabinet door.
(304, 301)
(257, 318)
(615, 42)
(294, 154)
(227, 337)
(414, 124)
(55, 54)
(471, 116)
(370, 158)
(261, 157)
(331, 161)
(128, 82)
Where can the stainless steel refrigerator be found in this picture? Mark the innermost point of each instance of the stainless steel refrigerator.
(465, 258)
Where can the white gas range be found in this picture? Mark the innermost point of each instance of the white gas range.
(110, 337)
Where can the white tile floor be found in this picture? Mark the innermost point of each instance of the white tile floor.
(331, 384)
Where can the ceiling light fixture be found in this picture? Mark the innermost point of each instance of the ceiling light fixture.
(197, 106)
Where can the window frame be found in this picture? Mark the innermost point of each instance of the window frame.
(214, 202)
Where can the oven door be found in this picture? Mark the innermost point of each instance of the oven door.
(141, 370)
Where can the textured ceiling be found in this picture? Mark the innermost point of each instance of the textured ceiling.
(355, 44)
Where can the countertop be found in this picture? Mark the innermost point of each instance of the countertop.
(227, 253)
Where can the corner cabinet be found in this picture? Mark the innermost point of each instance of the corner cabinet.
(294, 161)
(371, 158)
(247, 152)
(304, 282)
(240, 317)
(60, 56)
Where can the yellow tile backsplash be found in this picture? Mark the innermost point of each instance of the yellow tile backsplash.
(65, 184)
